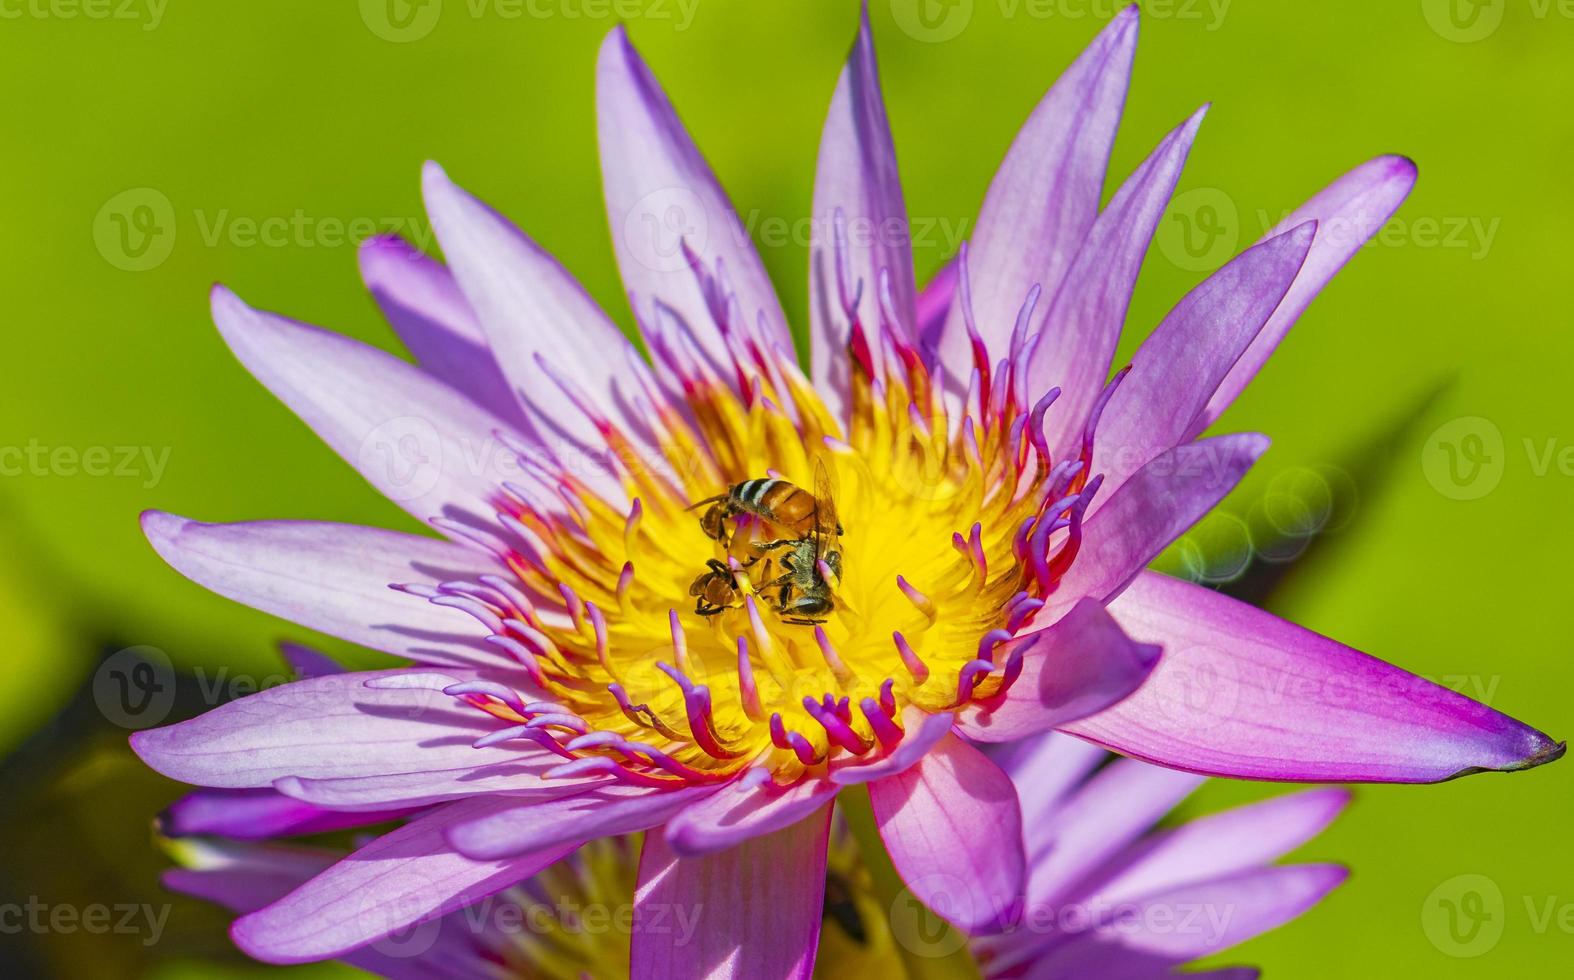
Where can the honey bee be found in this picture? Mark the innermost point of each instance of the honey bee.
(716, 590)
(805, 598)
(789, 507)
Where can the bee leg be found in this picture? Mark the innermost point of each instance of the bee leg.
(763, 546)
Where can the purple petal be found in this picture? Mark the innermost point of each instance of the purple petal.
(523, 775)
(1119, 804)
(1045, 769)
(405, 877)
(257, 814)
(334, 578)
(1217, 844)
(1080, 665)
(1143, 937)
(425, 446)
(934, 303)
(1180, 365)
(737, 813)
(1045, 196)
(1156, 506)
(856, 188)
(602, 812)
(424, 306)
(324, 728)
(531, 307)
(1241, 692)
(751, 911)
(1078, 333)
(1349, 212)
(954, 832)
(662, 195)
(307, 662)
(243, 877)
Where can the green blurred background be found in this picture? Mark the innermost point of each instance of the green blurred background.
(1454, 327)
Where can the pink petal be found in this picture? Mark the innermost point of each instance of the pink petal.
(1349, 212)
(1076, 667)
(737, 813)
(1078, 333)
(1157, 505)
(1241, 692)
(601, 812)
(920, 731)
(660, 193)
(856, 178)
(1179, 366)
(404, 877)
(334, 578)
(954, 832)
(425, 446)
(422, 303)
(751, 911)
(1045, 196)
(324, 728)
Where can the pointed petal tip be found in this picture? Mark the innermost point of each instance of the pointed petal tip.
(1546, 751)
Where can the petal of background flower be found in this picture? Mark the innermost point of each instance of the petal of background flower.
(1078, 330)
(1349, 212)
(257, 814)
(954, 832)
(324, 727)
(1145, 938)
(856, 176)
(1183, 361)
(1119, 804)
(1218, 844)
(244, 878)
(600, 812)
(334, 578)
(1079, 665)
(652, 171)
(738, 812)
(754, 910)
(423, 304)
(531, 307)
(1241, 692)
(406, 876)
(1044, 198)
(1045, 770)
(934, 304)
(1156, 506)
(422, 444)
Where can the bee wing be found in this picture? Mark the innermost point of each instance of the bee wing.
(825, 522)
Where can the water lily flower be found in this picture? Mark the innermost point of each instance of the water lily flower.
(1109, 895)
(592, 656)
